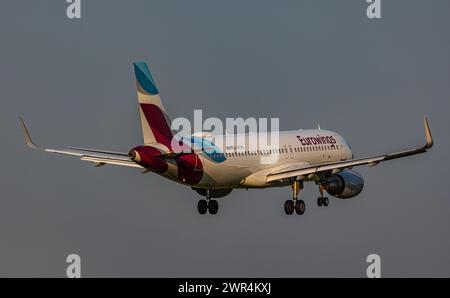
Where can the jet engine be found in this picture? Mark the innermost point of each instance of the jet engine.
(147, 157)
(344, 185)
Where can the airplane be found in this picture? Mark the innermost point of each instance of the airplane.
(314, 155)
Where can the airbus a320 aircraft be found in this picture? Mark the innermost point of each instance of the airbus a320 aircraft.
(317, 155)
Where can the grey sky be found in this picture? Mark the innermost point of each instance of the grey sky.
(302, 61)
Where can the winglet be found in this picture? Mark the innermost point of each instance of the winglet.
(428, 136)
(27, 136)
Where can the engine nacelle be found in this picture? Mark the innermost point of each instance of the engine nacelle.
(344, 185)
(147, 156)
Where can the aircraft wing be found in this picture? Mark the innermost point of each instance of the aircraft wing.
(303, 170)
(99, 157)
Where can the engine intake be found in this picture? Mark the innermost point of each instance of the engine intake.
(344, 185)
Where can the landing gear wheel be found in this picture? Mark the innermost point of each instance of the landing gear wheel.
(319, 201)
(213, 207)
(289, 207)
(300, 207)
(202, 206)
(325, 201)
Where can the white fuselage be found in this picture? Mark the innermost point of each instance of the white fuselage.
(245, 166)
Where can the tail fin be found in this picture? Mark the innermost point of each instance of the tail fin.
(154, 120)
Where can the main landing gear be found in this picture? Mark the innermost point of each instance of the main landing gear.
(207, 204)
(295, 205)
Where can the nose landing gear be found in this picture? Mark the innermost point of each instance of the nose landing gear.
(322, 200)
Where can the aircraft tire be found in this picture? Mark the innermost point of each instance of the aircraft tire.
(319, 202)
(289, 207)
(300, 207)
(213, 207)
(202, 206)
